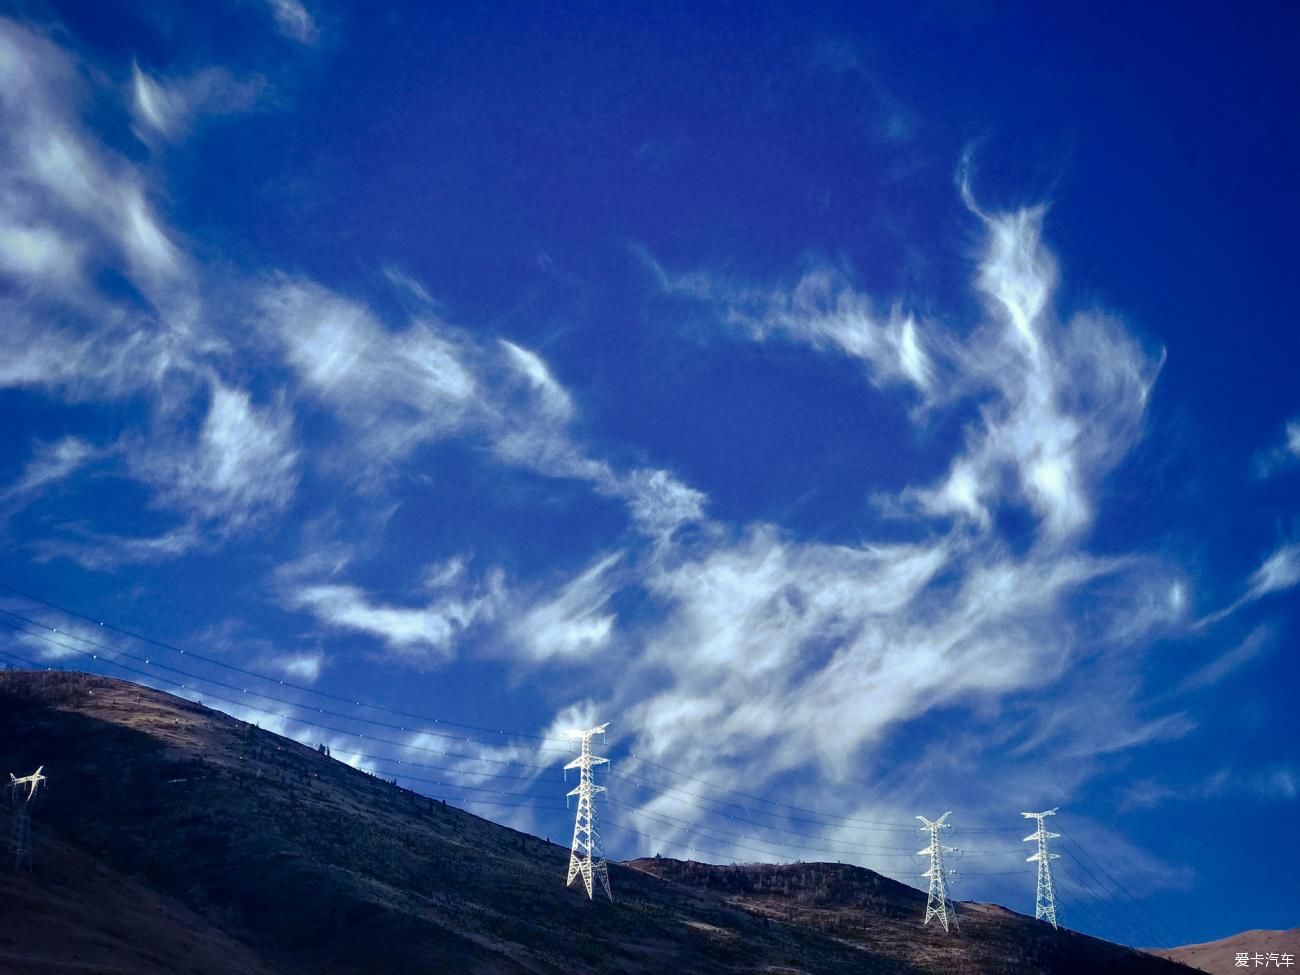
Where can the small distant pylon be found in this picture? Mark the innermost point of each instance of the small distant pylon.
(21, 792)
(588, 855)
(937, 904)
(1045, 903)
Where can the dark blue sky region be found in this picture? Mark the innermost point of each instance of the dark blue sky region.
(875, 410)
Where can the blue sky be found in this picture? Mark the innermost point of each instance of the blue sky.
(876, 413)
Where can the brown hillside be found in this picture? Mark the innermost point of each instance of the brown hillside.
(173, 838)
(880, 915)
(1220, 956)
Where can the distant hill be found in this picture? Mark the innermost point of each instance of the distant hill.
(1220, 956)
(175, 839)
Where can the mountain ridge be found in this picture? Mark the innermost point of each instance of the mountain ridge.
(1219, 957)
(289, 861)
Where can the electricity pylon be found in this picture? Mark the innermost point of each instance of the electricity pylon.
(938, 905)
(1045, 905)
(21, 801)
(587, 856)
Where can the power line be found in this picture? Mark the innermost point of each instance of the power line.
(693, 828)
(149, 661)
(890, 827)
(852, 849)
(226, 665)
(266, 697)
(351, 702)
(671, 792)
(690, 845)
(718, 831)
(720, 844)
(1106, 914)
(308, 724)
(110, 658)
(490, 803)
(825, 821)
(315, 725)
(1079, 905)
(1155, 927)
(786, 842)
(1137, 924)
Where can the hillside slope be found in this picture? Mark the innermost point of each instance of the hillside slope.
(1220, 956)
(75, 914)
(273, 857)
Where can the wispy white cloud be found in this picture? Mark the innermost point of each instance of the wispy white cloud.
(821, 310)
(393, 390)
(796, 654)
(1231, 660)
(72, 642)
(551, 397)
(243, 465)
(77, 212)
(421, 635)
(1069, 401)
(240, 467)
(659, 502)
(60, 184)
(578, 620)
(104, 551)
(892, 120)
(1169, 727)
(302, 667)
(38, 255)
(293, 20)
(50, 463)
(792, 652)
(167, 107)
(802, 658)
(1280, 571)
(1278, 784)
(1283, 455)
(237, 640)
(410, 287)
(398, 390)
(1059, 404)
(528, 422)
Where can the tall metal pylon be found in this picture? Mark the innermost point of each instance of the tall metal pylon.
(938, 905)
(1045, 904)
(21, 792)
(588, 856)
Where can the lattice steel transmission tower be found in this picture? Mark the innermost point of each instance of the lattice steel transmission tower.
(588, 856)
(938, 904)
(21, 793)
(1045, 905)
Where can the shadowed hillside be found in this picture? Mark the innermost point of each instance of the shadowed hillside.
(173, 838)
